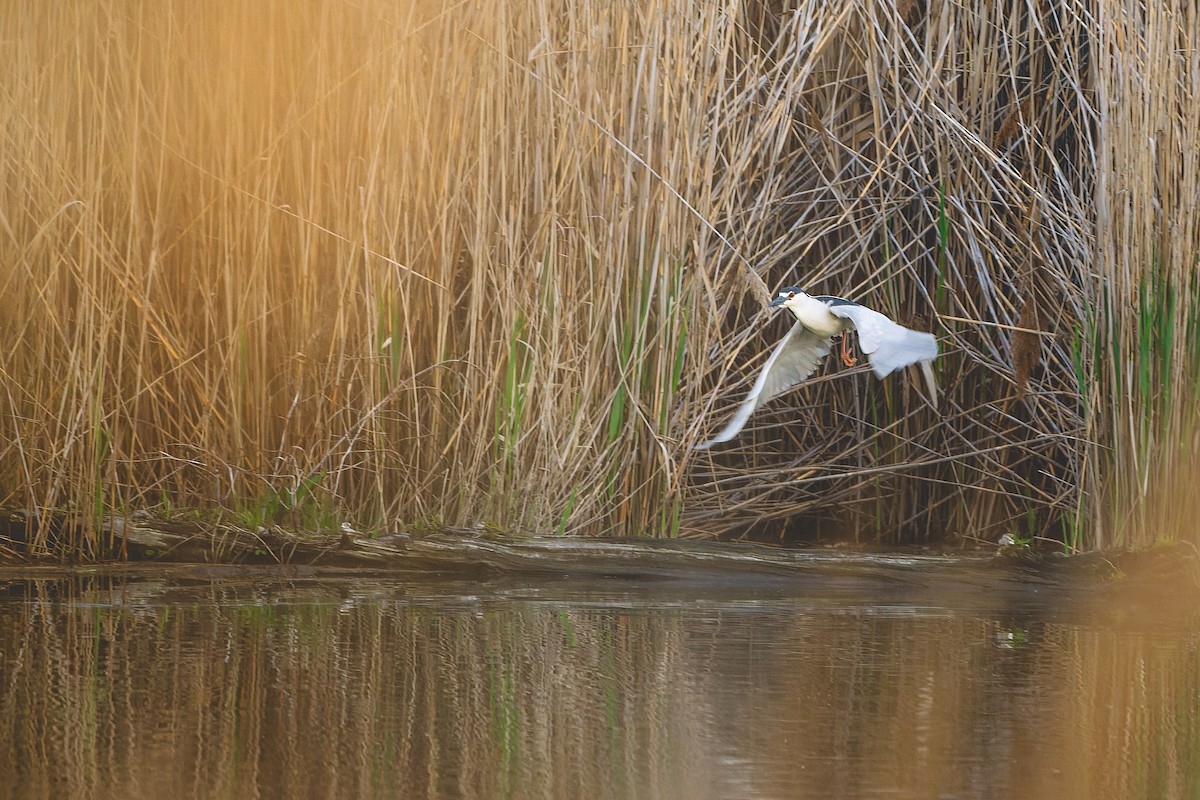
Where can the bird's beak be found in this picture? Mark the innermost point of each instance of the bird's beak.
(778, 301)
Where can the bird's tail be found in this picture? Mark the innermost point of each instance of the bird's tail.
(927, 368)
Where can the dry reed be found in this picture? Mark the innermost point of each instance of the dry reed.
(501, 264)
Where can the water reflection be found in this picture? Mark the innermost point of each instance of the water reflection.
(130, 688)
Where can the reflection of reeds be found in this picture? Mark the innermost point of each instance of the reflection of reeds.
(501, 265)
(360, 692)
(367, 700)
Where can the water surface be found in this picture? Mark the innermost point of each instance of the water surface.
(226, 684)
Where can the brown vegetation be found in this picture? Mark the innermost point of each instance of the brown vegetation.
(502, 264)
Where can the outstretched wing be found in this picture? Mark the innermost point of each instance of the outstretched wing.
(793, 360)
(888, 345)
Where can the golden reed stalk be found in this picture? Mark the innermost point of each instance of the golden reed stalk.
(503, 263)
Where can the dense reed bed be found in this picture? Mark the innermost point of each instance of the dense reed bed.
(493, 264)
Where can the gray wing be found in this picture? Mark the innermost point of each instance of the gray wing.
(888, 345)
(793, 360)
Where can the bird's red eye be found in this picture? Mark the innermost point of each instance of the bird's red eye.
(791, 295)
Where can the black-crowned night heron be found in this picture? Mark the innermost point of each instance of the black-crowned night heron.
(887, 344)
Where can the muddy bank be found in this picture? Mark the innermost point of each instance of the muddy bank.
(1170, 573)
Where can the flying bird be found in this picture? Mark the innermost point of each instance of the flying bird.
(888, 345)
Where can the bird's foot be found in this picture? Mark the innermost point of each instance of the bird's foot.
(847, 359)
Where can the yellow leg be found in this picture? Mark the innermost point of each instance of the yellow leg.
(847, 359)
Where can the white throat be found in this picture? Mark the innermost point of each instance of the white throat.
(815, 315)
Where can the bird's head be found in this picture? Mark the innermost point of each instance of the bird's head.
(788, 296)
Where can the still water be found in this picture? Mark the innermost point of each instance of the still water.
(226, 684)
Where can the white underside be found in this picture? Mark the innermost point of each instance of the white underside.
(816, 316)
